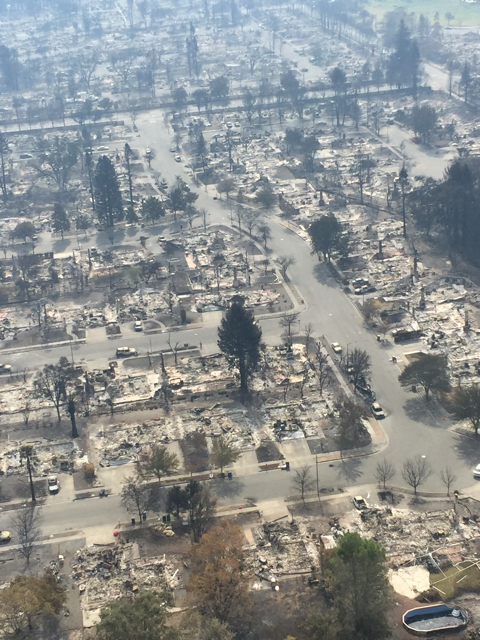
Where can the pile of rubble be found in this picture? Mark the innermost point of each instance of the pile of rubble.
(104, 573)
(411, 537)
(61, 456)
(282, 548)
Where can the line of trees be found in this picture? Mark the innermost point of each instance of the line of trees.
(451, 207)
(415, 472)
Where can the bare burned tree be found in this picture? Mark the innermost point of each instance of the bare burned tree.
(384, 472)
(369, 309)
(415, 472)
(324, 371)
(173, 347)
(307, 332)
(303, 481)
(202, 507)
(287, 322)
(85, 66)
(383, 329)
(122, 64)
(51, 384)
(448, 478)
(305, 378)
(27, 409)
(25, 524)
(204, 214)
(57, 159)
(135, 495)
(285, 262)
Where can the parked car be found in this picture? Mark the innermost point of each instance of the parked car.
(377, 411)
(359, 503)
(366, 391)
(359, 282)
(476, 471)
(5, 368)
(178, 158)
(138, 326)
(336, 347)
(5, 536)
(126, 352)
(53, 485)
(366, 288)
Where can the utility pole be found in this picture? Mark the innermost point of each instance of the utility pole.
(403, 175)
(32, 489)
(25, 453)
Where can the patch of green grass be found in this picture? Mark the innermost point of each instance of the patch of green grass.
(466, 14)
(464, 576)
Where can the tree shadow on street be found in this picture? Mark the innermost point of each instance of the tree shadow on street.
(323, 275)
(59, 246)
(468, 448)
(111, 237)
(158, 497)
(225, 488)
(350, 469)
(428, 413)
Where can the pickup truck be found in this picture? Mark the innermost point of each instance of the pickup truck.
(126, 352)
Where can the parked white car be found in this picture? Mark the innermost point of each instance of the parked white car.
(336, 347)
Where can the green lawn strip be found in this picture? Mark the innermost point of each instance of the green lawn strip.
(465, 14)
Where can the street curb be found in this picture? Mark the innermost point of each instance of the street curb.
(51, 345)
(220, 513)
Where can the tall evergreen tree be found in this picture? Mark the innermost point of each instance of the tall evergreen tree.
(152, 209)
(465, 81)
(239, 339)
(89, 166)
(108, 199)
(404, 62)
(128, 155)
(357, 580)
(60, 221)
(4, 149)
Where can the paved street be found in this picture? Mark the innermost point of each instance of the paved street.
(412, 427)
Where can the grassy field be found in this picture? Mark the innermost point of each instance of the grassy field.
(463, 577)
(466, 14)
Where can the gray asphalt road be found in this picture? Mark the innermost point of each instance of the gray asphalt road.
(411, 427)
(63, 517)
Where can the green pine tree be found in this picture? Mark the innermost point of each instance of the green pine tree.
(239, 339)
(60, 221)
(108, 199)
